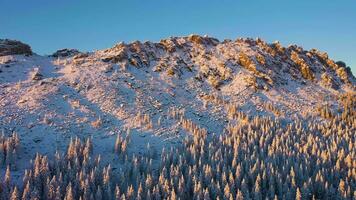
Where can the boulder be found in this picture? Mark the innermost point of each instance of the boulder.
(36, 75)
(13, 47)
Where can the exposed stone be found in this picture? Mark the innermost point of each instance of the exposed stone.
(197, 39)
(342, 64)
(36, 75)
(81, 55)
(65, 53)
(13, 47)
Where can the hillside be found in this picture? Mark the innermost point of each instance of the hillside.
(161, 93)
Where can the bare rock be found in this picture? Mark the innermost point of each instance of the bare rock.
(80, 55)
(65, 53)
(13, 47)
(36, 75)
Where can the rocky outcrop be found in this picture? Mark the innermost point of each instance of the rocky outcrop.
(13, 47)
(65, 53)
(217, 63)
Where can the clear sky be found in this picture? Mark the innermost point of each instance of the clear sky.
(88, 25)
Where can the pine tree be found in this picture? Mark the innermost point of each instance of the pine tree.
(69, 193)
(9, 155)
(2, 153)
(342, 189)
(239, 195)
(206, 194)
(226, 192)
(35, 194)
(117, 192)
(298, 195)
(130, 192)
(118, 144)
(257, 191)
(149, 195)
(99, 194)
(58, 195)
(139, 192)
(7, 179)
(173, 195)
(15, 194)
(156, 193)
(26, 194)
(149, 182)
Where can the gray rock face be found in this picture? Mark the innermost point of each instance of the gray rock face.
(13, 47)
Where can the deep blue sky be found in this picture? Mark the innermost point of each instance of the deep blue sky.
(88, 25)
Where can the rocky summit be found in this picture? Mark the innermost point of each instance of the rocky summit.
(13, 47)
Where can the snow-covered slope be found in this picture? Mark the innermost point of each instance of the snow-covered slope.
(154, 90)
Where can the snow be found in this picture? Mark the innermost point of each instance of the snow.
(73, 94)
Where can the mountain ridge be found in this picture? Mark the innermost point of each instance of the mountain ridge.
(162, 92)
(187, 117)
